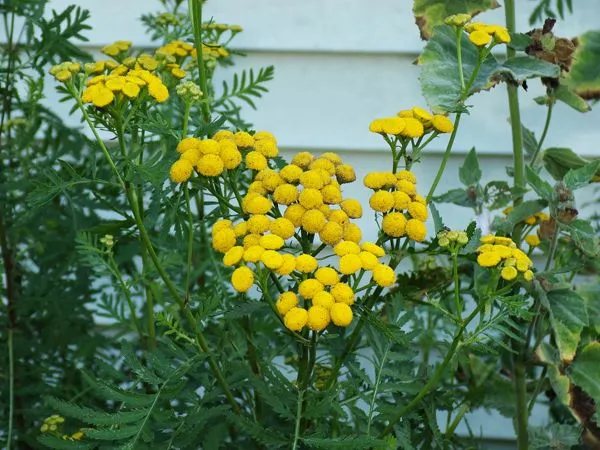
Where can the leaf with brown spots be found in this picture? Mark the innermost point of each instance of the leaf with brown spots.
(430, 13)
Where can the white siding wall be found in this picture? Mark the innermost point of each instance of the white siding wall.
(341, 63)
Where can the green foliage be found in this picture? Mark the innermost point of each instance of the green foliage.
(583, 77)
(430, 13)
(440, 82)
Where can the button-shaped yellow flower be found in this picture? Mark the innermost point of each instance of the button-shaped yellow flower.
(342, 293)
(313, 221)
(323, 299)
(350, 264)
(416, 230)
(285, 302)
(318, 318)
(282, 227)
(233, 256)
(306, 263)
(328, 276)
(394, 224)
(181, 171)
(480, 38)
(384, 275)
(271, 259)
(352, 208)
(381, 201)
(331, 233)
(242, 279)
(210, 166)
(309, 288)
(295, 319)
(341, 314)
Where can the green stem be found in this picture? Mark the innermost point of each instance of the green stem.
(11, 388)
(445, 158)
(522, 416)
(195, 8)
(190, 249)
(437, 375)
(457, 301)
(186, 118)
(376, 388)
(461, 413)
(459, 32)
(298, 418)
(544, 131)
(515, 120)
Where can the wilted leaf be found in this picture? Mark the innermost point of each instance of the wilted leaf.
(430, 13)
(568, 316)
(584, 370)
(568, 96)
(584, 75)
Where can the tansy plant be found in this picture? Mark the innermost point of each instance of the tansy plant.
(256, 313)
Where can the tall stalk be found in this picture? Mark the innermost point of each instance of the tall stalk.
(520, 374)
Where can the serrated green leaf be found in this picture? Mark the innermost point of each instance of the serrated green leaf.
(455, 196)
(584, 370)
(470, 173)
(530, 143)
(438, 224)
(95, 417)
(110, 434)
(568, 316)
(343, 442)
(569, 97)
(61, 444)
(132, 399)
(584, 75)
(576, 178)
(584, 237)
(541, 187)
(430, 13)
(556, 435)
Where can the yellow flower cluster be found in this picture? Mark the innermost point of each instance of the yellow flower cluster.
(175, 50)
(128, 77)
(412, 123)
(53, 425)
(310, 190)
(395, 196)
(502, 252)
(482, 34)
(65, 71)
(116, 48)
(325, 298)
(224, 151)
